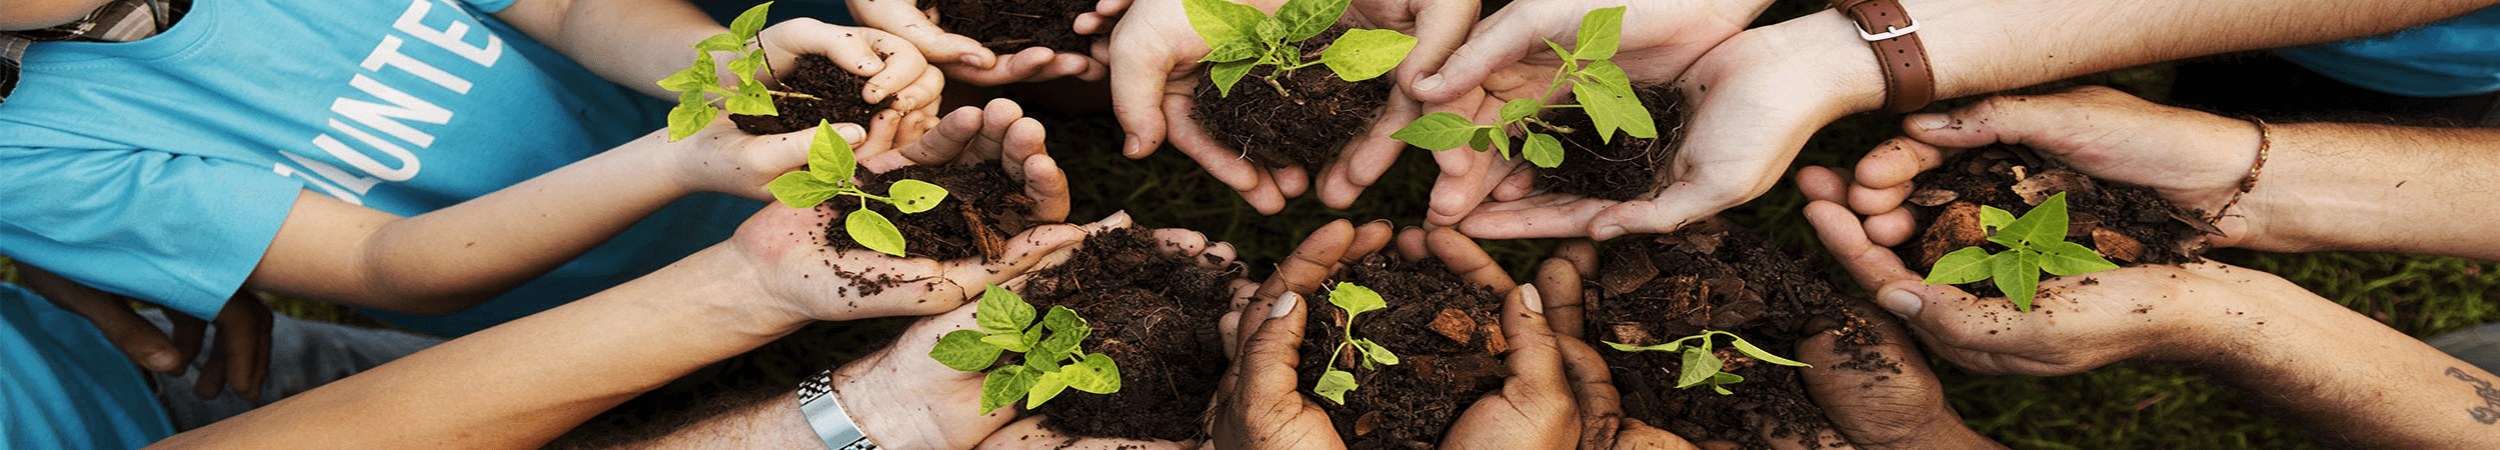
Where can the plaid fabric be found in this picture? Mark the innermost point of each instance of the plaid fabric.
(117, 21)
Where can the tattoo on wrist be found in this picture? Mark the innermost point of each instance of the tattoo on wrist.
(2489, 412)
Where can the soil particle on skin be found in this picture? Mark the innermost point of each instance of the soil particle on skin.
(1154, 313)
(1621, 170)
(837, 95)
(1009, 26)
(1442, 368)
(2129, 224)
(1305, 128)
(982, 210)
(1651, 289)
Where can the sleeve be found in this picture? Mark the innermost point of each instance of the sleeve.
(180, 231)
(489, 6)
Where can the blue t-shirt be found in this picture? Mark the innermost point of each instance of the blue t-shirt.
(2453, 57)
(65, 386)
(161, 169)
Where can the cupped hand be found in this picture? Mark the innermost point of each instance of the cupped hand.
(965, 59)
(894, 67)
(1601, 421)
(1154, 57)
(1505, 59)
(239, 360)
(2193, 159)
(1889, 400)
(2149, 312)
(1029, 434)
(1536, 407)
(1259, 404)
(903, 399)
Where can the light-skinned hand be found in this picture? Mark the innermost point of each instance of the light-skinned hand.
(967, 60)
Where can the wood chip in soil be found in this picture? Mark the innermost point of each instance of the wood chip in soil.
(1154, 313)
(2129, 224)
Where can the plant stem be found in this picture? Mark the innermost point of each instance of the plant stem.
(1280, 87)
(792, 95)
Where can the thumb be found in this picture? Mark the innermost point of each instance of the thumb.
(2031, 120)
(1490, 48)
(1137, 85)
(938, 45)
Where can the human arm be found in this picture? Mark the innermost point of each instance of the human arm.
(2324, 186)
(1760, 94)
(2342, 373)
(239, 358)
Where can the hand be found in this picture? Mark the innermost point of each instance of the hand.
(892, 64)
(2142, 312)
(1029, 434)
(1602, 424)
(1896, 403)
(1535, 407)
(1154, 75)
(239, 359)
(903, 399)
(1755, 98)
(2193, 159)
(965, 59)
(1506, 60)
(1258, 405)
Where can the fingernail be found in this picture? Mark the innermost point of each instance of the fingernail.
(1429, 83)
(1530, 298)
(1901, 302)
(1130, 146)
(970, 59)
(1609, 232)
(1284, 305)
(850, 132)
(1929, 121)
(1117, 220)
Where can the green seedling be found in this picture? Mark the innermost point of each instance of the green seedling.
(828, 174)
(2033, 243)
(1241, 37)
(1601, 87)
(699, 86)
(1355, 300)
(1701, 366)
(1052, 363)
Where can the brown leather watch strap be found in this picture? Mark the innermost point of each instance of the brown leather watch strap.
(1908, 82)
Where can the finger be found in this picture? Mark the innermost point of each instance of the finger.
(1822, 183)
(1413, 245)
(213, 375)
(968, 277)
(137, 339)
(1440, 29)
(1223, 162)
(1534, 217)
(1892, 398)
(1497, 42)
(903, 68)
(935, 43)
(949, 140)
(1469, 260)
(1218, 255)
(1137, 88)
(1229, 327)
(1581, 252)
(1877, 269)
(1046, 184)
(1465, 179)
(1896, 161)
(924, 93)
(1009, 69)
(189, 334)
(1593, 388)
(1303, 270)
(1368, 239)
(1891, 229)
(1266, 369)
(998, 118)
(1682, 203)
(243, 343)
(1536, 363)
(1180, 241)
(1559, 286)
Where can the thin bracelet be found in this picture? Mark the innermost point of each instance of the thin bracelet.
(2265, 143)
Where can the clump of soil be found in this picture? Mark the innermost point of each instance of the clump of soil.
(1154, 313)
(1304, 128)
(1448, 339)
(1008, 26)
(1625, 169)
(2126, 223)
(837, 99)
(983, 208)
(1652, 289)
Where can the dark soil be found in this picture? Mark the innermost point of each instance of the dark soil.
(1155, 314)
(837, 99)
(1304, 129)
(1446, 334)
(1008, 26)
(2128, 224)
(1652, 289)
(1621, 171)
(983, 208)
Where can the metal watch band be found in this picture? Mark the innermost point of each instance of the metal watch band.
(824, 414)
(1909, 83)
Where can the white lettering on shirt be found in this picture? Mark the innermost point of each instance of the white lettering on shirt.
(388, 55)
(449, 37)
(397, 113)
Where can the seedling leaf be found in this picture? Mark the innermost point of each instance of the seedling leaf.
(724, 42)
(1666, 347)
(2063, 258)
(1439, 131)
(750, 22)
(688, 118)
(1002, 386)
(1014, 342)
(751, 99)
(963, 350)
(689, 83)
(1543, 150)
(1600, 31)
(1374, 353)
(873, 231)
(1500, 141)
(1363, 54)
(2018, 274)
(1611, 104)
(1227, 74)
(1356, 300)
(801, 190)
(1045, 387)
(1002, 311)
(1757, 353)
(1483, 138)
(1334, 384)
(1228, 51)
(829, 156)
(2044, 224)
(1066, 332)
(1303, 19)
(914, 196)
(1698, 365)
(1992, 218)
(1520, 109)
(1096, 374)
(1222, 21)
(1962, 266)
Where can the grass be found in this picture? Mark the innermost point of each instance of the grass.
(2122, 406)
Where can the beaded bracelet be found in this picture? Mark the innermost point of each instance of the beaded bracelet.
(2265, 143)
